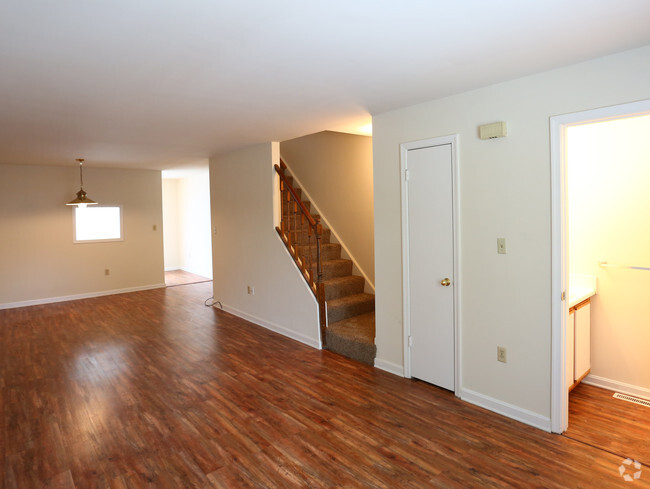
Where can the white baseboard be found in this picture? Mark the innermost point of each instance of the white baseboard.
(509, 410)
(614, 385)
(51, 300)
(172, 269)
(314, 343)
(389, 367)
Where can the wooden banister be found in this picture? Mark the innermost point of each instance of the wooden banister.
(294, 194)
(296, 223)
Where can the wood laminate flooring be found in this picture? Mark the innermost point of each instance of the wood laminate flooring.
(620, 427)
(181, 277)
(152, 389)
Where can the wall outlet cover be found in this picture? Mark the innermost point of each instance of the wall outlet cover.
(501, 354)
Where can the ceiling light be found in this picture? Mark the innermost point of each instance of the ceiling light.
(82, 201)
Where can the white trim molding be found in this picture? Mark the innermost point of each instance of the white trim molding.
(509, 410)
(276, 328)
(88, 295)
(390, 367)
(558, 126)
(453, 141)
(615, 385)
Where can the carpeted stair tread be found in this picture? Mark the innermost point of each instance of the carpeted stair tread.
(289, 207)
(349, 305)
(350, 311)
(341, 286)
(358, 328)
(354, 338)
(304, 238)
(328, 251)
(335, 268)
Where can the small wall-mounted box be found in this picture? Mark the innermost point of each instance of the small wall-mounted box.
(493, 131)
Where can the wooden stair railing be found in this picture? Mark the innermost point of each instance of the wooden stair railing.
(301, 233)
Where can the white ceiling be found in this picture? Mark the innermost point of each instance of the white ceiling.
(166, 83)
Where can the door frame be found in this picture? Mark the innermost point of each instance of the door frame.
(406, 294)
(559, 240)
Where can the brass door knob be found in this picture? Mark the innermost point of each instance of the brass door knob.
(445, 282)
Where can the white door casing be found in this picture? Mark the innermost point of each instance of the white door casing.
(429, 248)
(559, 239)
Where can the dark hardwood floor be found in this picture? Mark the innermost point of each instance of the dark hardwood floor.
(621, 427)
(181, 277)
(154, 390)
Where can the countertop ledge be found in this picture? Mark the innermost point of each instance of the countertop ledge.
(580, 294)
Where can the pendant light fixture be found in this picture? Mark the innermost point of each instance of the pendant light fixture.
(82, 201)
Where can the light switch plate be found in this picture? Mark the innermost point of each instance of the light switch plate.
(501, 246)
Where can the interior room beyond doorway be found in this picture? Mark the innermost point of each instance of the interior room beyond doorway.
(607, 239)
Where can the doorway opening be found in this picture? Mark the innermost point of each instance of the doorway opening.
(187, 239)
(601, 279)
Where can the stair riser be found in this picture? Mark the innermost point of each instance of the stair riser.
(302, 238)
(298, 190)
(335, 269)
(355, 350)
(349, 310)
(289, 209)
(328, 251)
(334, 291)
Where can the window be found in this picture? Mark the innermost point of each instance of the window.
(97, 223)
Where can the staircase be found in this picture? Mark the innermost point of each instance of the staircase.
(350, 329)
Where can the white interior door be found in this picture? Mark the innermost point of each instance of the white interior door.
(430, 238)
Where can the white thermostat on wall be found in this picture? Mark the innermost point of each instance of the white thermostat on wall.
(493, 131)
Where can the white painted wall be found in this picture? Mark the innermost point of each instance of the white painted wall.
(336, 170)
(171, 224)
(39, 261)
(194, 222)
(609, 212)
(246, 250)
(186, 214)
(504, 192)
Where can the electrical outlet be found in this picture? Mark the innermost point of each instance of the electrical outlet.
(251, 290)
(107, 271)
(501, 246)
(501, 354)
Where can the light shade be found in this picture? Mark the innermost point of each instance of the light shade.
(82, 200)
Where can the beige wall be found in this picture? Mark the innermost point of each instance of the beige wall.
(171, 224)
(504, 192)
(609, 212)
(186, 214)
(246, 250)
(38, 259)
(194, 202)
(336, 171)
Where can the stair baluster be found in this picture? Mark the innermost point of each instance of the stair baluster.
(304, 224)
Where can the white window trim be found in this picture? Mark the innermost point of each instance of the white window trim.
(84, 241)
